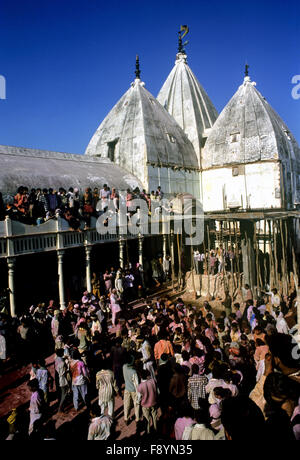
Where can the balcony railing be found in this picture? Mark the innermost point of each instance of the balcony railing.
(17, 238)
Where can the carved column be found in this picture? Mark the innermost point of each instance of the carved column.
(165, 245)
(172, 254)
(141, 239)
(61, 286)
(121, 252)
(11, 262)
(88, 250)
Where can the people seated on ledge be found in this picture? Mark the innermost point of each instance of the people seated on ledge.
(39, 205)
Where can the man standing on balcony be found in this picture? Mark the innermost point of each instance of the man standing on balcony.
(104, 196)
(43, 203)
(53, 201)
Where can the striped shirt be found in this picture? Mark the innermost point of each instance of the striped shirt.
(106, 386)
(99, 429)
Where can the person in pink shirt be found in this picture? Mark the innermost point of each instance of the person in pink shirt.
(185, 359)
(210, 333)
(237, 311)
(215, 410)
(185, 419)
(107, 277)
(260, 351)
(175, 323)
(199, 359)
(80, 379)
(114, 304)
(295, 421)
(210, 320)
(148, 391)
(37, 406)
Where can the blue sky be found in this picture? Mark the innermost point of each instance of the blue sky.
(66, 63)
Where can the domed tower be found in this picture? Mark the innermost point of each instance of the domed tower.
(250, 171)
(250, 159)
(139, 135)
(187, 101)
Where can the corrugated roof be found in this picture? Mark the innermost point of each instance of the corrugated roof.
(40, 168)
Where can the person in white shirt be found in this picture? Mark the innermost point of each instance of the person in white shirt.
(275, 297)
(166, 266)
(200, 430)
(100, 428)
(197, 261)
(104, 197)
(215, 381)
(281, 324)
(220, 257)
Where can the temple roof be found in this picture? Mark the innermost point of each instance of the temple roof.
(40, 168)
(249, 130)
(187, 101)
(141, 130)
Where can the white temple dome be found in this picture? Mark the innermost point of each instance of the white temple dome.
(139, 132)
(248, 130)
(187, 101)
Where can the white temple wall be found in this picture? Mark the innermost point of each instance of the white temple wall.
(256, 186)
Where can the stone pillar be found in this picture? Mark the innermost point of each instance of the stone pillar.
(121, 252)
(165, 245)
(172, 254)
(61, 286)
(141, 239)
(11, 262)
(88, 250)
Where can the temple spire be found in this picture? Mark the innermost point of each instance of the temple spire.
(180, 48)
(183, 31)
(247, 79)
(137, 68)
(246, 70)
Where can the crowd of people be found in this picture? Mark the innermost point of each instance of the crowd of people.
(39, 205)
(216, 261)
(188, 372)
(133, 281)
